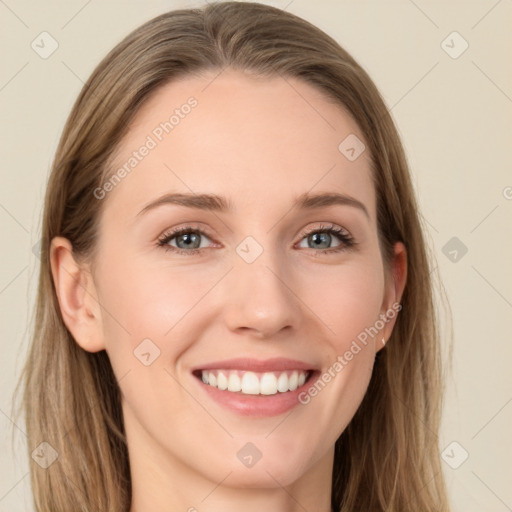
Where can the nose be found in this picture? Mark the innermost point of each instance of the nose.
(259, 297)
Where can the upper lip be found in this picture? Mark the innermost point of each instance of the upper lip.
(257, 365)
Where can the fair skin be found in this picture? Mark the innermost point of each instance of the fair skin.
(259, 144)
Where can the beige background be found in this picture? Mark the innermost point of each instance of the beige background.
(455, 117)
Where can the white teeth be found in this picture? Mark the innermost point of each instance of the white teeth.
(252, 383)
(282, 383)
(234, 383)
(268, 384)
(292, 381)
(222, 381)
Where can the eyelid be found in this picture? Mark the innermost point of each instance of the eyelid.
(325, 227)
(185, 228)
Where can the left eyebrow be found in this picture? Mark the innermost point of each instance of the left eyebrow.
(213, 202)
(311, 201)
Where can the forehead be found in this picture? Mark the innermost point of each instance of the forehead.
(254, 140)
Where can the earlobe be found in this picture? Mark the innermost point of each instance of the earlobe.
(77, 297)
(395, 285)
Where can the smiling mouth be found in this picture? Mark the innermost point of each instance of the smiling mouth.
(254, 383)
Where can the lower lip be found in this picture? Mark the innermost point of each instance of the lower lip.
(257, 405)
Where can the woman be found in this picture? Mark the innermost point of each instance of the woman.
(235, 304)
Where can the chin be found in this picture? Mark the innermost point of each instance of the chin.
(263, 476)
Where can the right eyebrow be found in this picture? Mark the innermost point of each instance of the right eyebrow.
(211, 202)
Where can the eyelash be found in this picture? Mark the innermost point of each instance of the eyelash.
(347, 242)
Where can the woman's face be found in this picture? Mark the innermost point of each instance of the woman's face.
(250, 298)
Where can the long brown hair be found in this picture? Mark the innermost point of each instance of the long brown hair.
(387, 459)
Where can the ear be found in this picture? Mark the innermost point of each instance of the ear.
(396, 277)
(77, 296)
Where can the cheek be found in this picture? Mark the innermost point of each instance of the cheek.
(350, 306)
(347, 300)
(141, 302)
